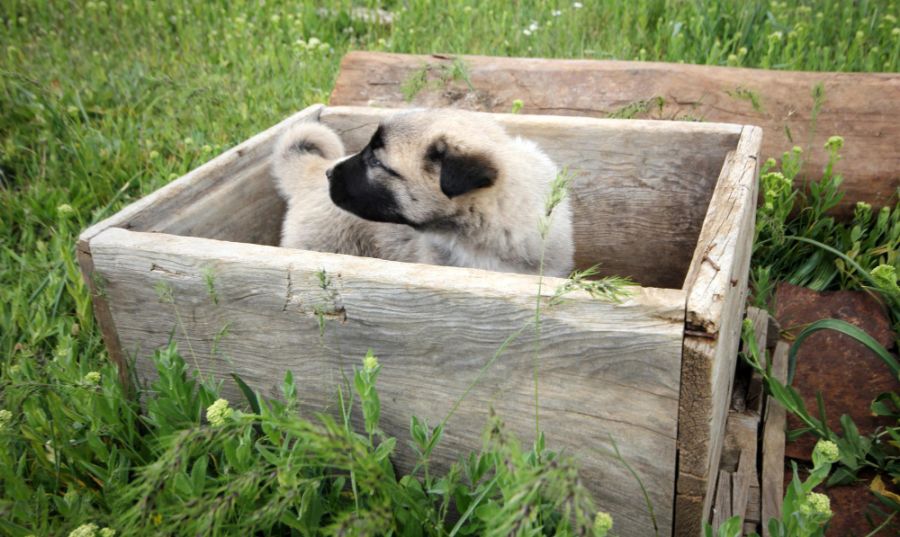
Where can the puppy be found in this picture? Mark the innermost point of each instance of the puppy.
(302, 155)
(471, 195)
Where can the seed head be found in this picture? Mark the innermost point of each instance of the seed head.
(370, 362)
(84, 530)
(827, 451)
(5, 418)
(816, 505)
(603, 522)
(92, 378)
(218, 412)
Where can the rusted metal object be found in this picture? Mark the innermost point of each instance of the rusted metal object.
(848, 375)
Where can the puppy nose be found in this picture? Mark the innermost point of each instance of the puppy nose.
(329, 172)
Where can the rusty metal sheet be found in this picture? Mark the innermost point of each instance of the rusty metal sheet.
(848, 375)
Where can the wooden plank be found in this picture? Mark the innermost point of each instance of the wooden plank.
(641, 188)
(613, 371)
(230, 197)
(722, 507)
(864, 108)
(755, 393)
(717, 292)
(754, 505)
(739, 458)
(743, 478)
(772, 486)
(102, 313)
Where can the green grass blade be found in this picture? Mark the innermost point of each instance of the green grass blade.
(252, 399)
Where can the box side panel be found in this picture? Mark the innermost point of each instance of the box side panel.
(717, 292)
(641, 191)
(607, 371)
(231, 197)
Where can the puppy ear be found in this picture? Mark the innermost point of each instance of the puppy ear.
(461, 172)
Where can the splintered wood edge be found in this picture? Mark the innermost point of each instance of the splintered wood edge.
(102, 313)
(717, 287)
(203, 177)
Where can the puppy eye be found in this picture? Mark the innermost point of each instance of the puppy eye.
(373, 160)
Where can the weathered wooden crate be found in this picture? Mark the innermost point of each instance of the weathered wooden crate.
(669, 204)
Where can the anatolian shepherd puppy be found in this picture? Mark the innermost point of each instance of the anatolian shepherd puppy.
(444, 187)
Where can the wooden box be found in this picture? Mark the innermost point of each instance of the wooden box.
(669, 204)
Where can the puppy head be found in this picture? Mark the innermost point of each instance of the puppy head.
(420, 168)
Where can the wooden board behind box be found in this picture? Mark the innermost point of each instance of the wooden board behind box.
(669, 204)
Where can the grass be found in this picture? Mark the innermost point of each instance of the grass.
(102, 103)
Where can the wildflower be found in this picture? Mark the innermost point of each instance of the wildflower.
(275, 18)
(65, 210)
(5, 418)
(188, 141)
(826, 450)
(517, 105)
(153, 154)
(72, 110)
(467, 9)
(860, 34)
(816, 505)
(895, 32)
(526, 31)
(834, 143)
(370, 362)
(603, 522)
(732, 59)
(92, 378)
(577, 5)
(107, 532)
(218, 412)
(84, 530)
(313, 42)
(775, 36)
(556, 13)
(533, 26)
(207, 148)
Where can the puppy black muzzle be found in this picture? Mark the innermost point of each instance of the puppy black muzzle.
(351, 188)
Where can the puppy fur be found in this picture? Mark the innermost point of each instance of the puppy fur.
(472, 195)
(313, 222)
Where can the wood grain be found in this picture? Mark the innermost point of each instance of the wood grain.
(772, 486)
(606, 370)
(231, 197)
(864, 108)
(717, 292)
(722, 508)
(641, 190)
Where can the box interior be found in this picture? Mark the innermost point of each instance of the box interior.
(640, 196)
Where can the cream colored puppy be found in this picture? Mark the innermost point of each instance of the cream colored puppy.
(438, 186)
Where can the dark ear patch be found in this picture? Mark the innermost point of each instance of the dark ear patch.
(461, 173)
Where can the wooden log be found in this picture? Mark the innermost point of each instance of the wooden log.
(717, 294)
(772, 487)
(864, 108)
(613, 371)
